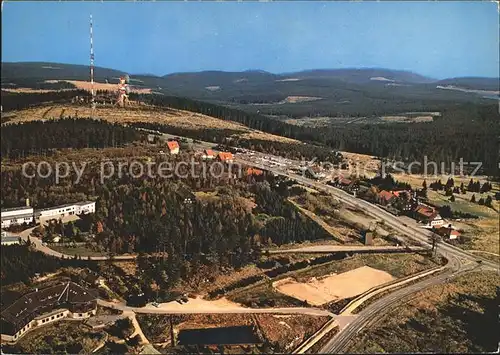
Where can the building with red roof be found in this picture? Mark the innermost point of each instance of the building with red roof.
(385, 197)
(428, 215)
(225, 157)
(208, 154)
(447, 232)
(173, 146)
(254, 171)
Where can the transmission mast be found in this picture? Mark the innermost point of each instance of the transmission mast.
(92, 66)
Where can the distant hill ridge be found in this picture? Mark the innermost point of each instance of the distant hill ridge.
(48, 70)
(307, 93)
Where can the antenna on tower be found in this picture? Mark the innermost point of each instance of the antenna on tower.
(92, 66)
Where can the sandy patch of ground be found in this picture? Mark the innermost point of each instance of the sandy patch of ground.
(407, 119)
(289, 79)
(86, 85)
(380, 78)
(30, 90)
(296, 99)
(334, 287)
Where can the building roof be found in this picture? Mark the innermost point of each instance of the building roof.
(83, 203)
(225, 156)
(426, 211)
(385, 195)
(15, 216)
(344, 181)
(10, 239)
(446, 231)
(253, 171)
(44, 300)
(397, 193)
(209, 152)
(172, 145)
(15, 209)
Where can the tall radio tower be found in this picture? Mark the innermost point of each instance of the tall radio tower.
(92, 66)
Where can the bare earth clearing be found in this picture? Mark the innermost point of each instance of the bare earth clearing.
(86, 85)
(408, 119)
(335, 286)
(171, 117)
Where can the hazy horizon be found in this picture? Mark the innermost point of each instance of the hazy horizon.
(256, 70)
(432, 39)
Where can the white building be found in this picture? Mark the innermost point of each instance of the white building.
(9, 239)
(16, 215)
(69, 209)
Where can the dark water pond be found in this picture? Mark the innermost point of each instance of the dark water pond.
(210, 336)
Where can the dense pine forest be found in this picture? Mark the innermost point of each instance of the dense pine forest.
(224, 226)
(469, 131)
(38, 136)
(18, 101)
(20, 263)
(466, 130)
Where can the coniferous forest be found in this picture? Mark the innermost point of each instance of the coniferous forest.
(468, 130)
(465, 130)
(33, 137)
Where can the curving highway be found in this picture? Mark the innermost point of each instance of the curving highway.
(459, 261)
(417, 234)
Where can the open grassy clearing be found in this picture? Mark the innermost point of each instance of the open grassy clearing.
(483, 235)
(462, 203)
(347, 224)
(480, 234)
(416, 180)
(458, 316)
(144, 113)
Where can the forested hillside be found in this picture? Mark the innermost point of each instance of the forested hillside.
(467, 131)
(224, 226)
(36, 137)
(18, 101)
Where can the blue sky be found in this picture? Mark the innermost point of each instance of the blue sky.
(438, 39)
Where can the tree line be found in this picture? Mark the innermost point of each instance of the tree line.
(20, 100)
(469, 131)
(33, 137)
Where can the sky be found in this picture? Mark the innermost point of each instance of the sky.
(437, 39)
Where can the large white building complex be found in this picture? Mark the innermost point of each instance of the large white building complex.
(16, 215)
(65, 210)
(26, 214)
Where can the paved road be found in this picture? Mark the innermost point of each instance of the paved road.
(343, 248)
(418, 234)
(45, 249)
(373, 312)
(376, 310)
(149, 309)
